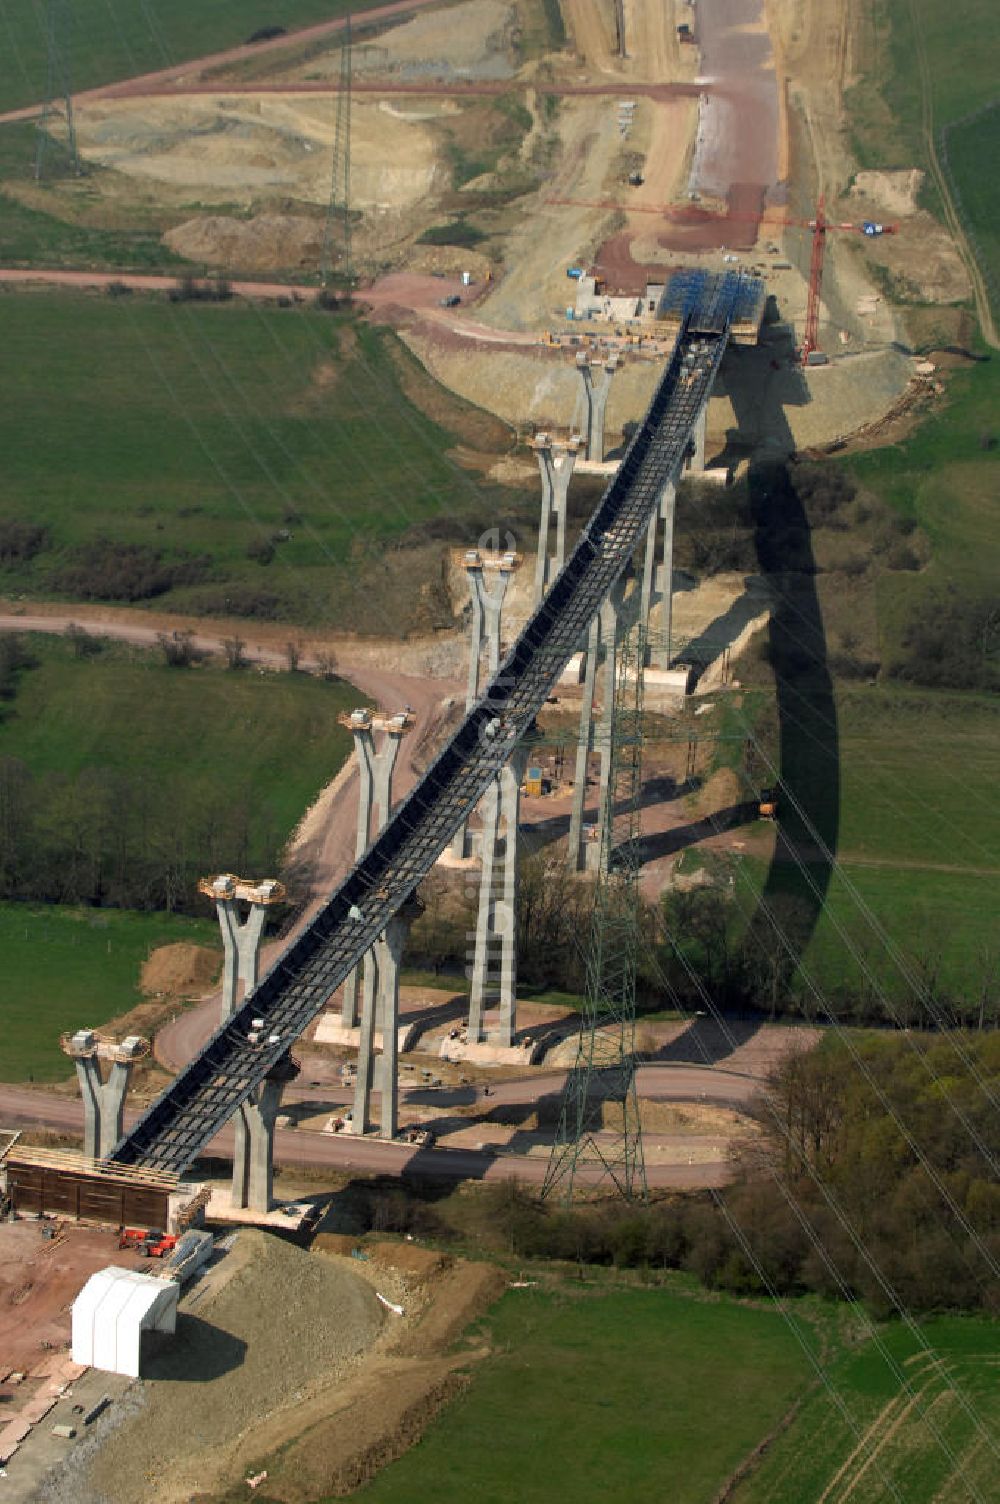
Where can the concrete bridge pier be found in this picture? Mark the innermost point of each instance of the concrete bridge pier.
(253, 1145)
(103, 1104)
(375, 769)
(556, 462)
(596, 381)
(386, 955)
(696, 452)
(241, 952)
(103, 1096)
(658, 651)
(489, 577)
(602, 644)
(494, 962)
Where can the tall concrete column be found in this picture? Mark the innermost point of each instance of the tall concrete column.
(505, 915)
(494, 965)
(556, 462)
(361, 1120)
(240, 939)
(596, 381)
(387, 954)
(253, 1147)
(103, 1097)
(375, 770)
(103, 1104)
(487, 596)
(601, 644)
(611, 617)
(696, 462)
(658, 652)
(574, 853)
(489, 811)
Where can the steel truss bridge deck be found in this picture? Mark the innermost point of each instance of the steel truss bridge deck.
(206, 1094)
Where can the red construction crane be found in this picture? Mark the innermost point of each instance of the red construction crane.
(682, 214)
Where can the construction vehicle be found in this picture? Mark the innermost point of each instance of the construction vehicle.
(767, 808)
(149, 1241)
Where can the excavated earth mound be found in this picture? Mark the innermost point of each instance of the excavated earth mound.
(251, 245)
(273, 1322)
(179, 970)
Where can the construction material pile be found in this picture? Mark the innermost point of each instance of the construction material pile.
(273, 1323)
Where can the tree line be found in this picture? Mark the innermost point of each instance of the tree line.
(871, 1180)
(112, 837)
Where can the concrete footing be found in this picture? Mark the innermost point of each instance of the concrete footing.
(488, 1053)
(331, 1030)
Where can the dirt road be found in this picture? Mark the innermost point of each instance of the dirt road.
(20, 1107)
(195, 66)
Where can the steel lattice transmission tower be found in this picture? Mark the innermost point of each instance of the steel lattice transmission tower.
(587, 1150)
(57, 88)
(337, 232)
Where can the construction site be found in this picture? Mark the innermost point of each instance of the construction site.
(643, 245)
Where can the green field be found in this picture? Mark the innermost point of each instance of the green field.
(67, 968)
(139, 777)
(263, 457)
(609, 1396)
(867, 1439)
(965, 146)
(929, 67)
(886, 107)
(101, 43)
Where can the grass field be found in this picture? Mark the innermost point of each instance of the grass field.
(886, 106)
(894, 1443)
(964, 147)
(201, 432)
(927, 63)
(65, 968)
(104, 42)
(611, 1396)
(139, 769)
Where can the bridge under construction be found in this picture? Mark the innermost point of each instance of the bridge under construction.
(251, 1044)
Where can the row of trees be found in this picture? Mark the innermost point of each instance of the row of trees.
(696, 949)
(111, 837)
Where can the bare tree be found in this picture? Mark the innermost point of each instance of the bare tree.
(178, 648)
(293, 656)
(235, 651)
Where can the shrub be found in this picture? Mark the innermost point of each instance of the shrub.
(239, 600)
(261, 550)
(951, 640)
(178, 648)
(104, 570)
(20, 540)
(458, 233)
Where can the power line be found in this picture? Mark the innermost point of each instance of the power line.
(57, 87)
(338, 213)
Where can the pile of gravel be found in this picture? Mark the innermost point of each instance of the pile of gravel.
(280, 1322)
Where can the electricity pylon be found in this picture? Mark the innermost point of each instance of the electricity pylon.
(591, 1144)
(57, 87)
(338, 212)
